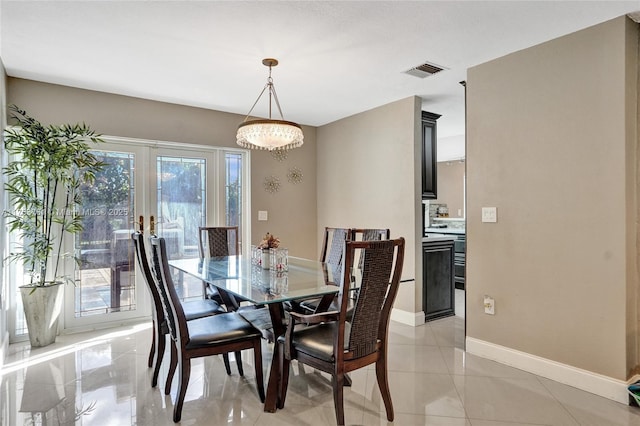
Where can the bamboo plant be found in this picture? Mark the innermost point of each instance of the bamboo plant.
(47, 167)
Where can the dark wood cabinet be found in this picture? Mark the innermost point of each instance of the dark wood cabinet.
(438, 288)
(429, 165)
(459, 263)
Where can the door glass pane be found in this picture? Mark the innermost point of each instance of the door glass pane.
(105, 271)
(181, 210)
(233, 191)
(181, 203)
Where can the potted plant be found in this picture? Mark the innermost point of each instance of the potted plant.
(47, 166)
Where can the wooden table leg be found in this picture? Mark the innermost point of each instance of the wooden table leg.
(325, 303)
(276, 310)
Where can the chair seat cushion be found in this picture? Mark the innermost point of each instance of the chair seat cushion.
(317, 340)
(310, 306)
(200, 308)
(259, 318)
(219, 329)
(211, 292)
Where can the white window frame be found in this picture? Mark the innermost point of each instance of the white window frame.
(148, 150)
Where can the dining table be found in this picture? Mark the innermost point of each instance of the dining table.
(242, 277)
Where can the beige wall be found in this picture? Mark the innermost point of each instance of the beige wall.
(292, 210)
(451, 186)
(551, 142)
(367, 178)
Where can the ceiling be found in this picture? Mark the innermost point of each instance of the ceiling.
(336, 58)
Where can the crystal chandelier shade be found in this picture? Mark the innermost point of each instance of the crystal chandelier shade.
(268, 134)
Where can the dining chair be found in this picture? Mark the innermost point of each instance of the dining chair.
(331, 254)
(332, 244)
(217, 241)
(213, 335)
(336, 345)
(121, 261)
(193, 309)
(368, 234)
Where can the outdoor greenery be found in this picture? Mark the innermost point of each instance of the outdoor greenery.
(47, 168)
(105, 206)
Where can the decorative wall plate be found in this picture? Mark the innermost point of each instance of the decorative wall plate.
(279, 154)
(295, 175)
(271, 184)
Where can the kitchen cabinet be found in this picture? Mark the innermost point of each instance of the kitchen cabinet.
(438, 288)
(429, 165)
(459, 262)
(459, 249)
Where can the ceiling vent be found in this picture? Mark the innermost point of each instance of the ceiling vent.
(424, 70)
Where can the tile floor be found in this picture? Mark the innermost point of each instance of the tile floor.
(101, 378)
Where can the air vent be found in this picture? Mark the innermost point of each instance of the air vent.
(424, 70)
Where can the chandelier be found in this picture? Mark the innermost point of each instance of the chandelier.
(265, 133)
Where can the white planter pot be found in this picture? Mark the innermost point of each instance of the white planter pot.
(42, 308)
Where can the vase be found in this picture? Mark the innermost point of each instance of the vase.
(265, 259)
(279, 259)
(42, 308)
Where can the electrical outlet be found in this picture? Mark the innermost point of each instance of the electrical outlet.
(263, 215)
(489, 305)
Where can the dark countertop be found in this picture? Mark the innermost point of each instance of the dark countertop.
(445, 231)
(436, 238)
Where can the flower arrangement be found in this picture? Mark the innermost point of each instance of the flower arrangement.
(269, 241)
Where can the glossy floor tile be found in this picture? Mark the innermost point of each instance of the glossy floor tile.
(101, 378)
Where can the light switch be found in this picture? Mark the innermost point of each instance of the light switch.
(262, 215)
(489, 214)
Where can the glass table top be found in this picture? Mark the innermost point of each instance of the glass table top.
(238, 275)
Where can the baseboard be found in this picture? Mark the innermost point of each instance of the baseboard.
(105, 325)
(588, 381)
(409, 318)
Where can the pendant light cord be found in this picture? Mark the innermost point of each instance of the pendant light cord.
(272, 92)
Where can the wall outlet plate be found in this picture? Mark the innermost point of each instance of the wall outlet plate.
(489, 305)
(489, 214)
(262, 215)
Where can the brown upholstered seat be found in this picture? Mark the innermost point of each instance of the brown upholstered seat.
(193, 309)
(337, 346)
(215, 335)
(260, 319)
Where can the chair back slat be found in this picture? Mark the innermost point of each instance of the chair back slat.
(333, 244)
(380, 277)
(369, 234)
(170, 301)
(147, 275)
(215, 241)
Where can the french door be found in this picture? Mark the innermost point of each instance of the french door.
(182, 188)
